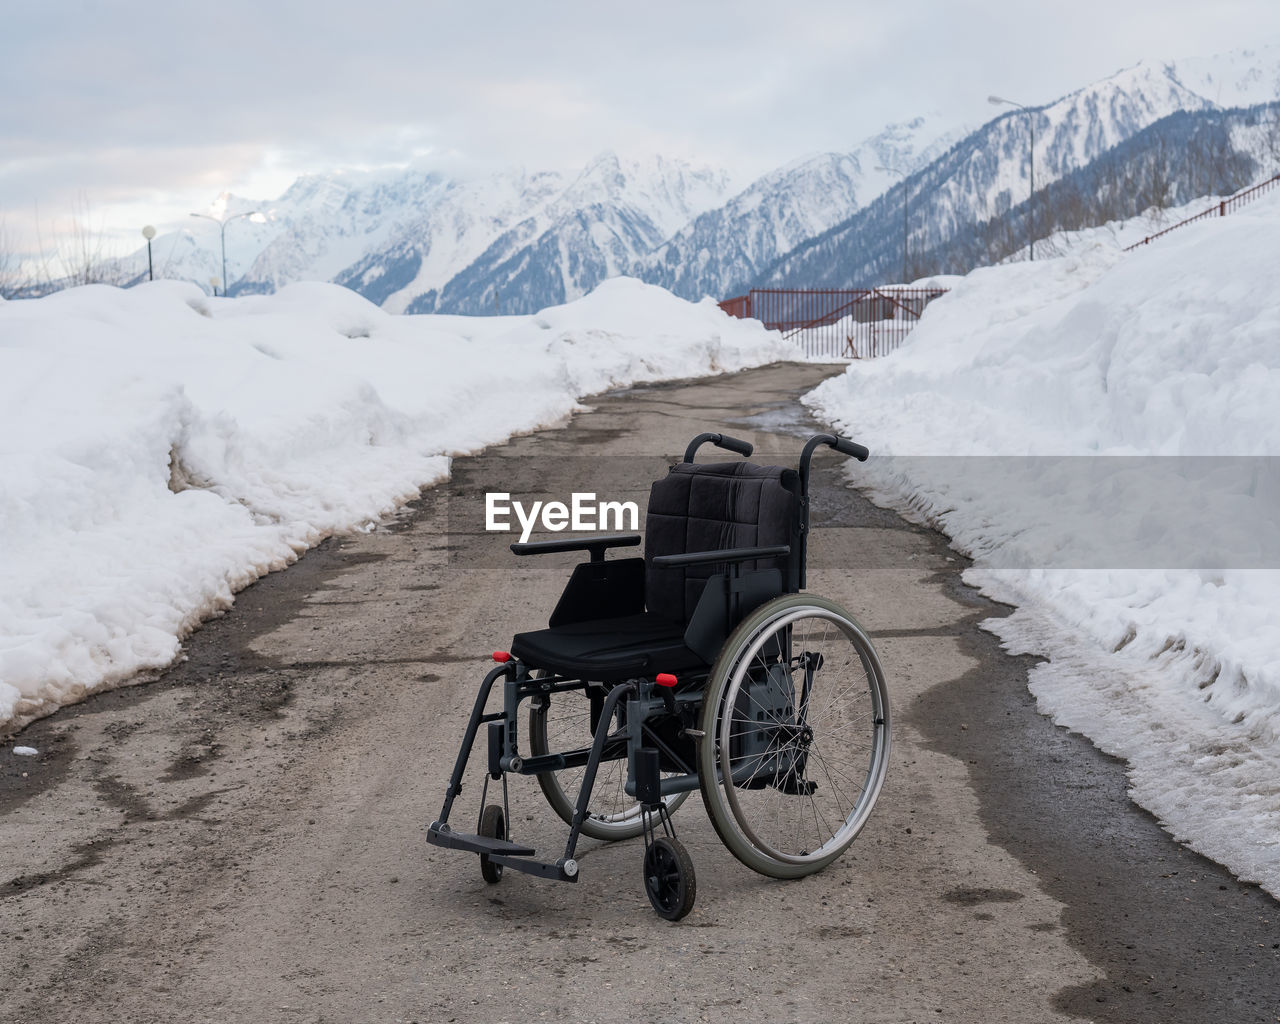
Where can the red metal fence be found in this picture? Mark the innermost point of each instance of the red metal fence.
(848, 323)
(1223, 208)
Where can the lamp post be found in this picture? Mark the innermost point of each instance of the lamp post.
(903, 176)
(149, 233)
(1031, 208)
(213, 283)
(222, 225)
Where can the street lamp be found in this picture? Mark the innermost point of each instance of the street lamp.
(903, 176)
(222, 225)
(213, 283)
(1031, 208)
(149, 233)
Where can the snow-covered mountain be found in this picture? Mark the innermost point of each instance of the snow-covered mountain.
(312, 232)
(447, 233)
(988, 172)
(419, 240)
(516, 240)
(598, 226)
(1238, 78)
(1080, 127)
(724, 250)
(326, 222)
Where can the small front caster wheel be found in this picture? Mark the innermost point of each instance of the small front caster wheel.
(493, 825)
(669, 881)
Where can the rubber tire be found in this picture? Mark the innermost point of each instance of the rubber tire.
(493, 825)
(669, 879)
(718, 807)
(564, 804)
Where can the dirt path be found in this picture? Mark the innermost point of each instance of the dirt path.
(244, 838)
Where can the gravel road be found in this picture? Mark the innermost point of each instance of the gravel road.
(243, 838)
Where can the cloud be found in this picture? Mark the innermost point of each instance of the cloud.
(128, 101)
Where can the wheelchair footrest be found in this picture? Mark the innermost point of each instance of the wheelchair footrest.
(503, 853)
(443, 835)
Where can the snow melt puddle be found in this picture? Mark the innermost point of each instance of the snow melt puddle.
(790, 418)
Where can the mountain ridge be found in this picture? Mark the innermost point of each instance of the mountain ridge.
(515, 240)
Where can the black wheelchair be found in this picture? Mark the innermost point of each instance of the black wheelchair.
(698, 666)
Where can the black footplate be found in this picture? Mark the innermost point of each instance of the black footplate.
(443, 835)
(504, 854)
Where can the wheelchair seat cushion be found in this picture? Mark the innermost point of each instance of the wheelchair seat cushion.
(609, 650)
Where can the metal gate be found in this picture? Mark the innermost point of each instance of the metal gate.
(839, 323)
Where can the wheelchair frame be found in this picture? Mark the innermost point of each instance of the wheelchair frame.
(654, 720)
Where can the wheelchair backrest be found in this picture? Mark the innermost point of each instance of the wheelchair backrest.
(712, 507)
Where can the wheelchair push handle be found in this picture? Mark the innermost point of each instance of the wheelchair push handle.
(851, 448)
(841, 444)
(732, 444)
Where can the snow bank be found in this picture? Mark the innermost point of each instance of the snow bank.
(1163, 638)
(160, 450)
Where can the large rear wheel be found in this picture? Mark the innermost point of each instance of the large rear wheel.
(796, 744)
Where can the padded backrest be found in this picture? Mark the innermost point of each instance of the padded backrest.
(711, 507)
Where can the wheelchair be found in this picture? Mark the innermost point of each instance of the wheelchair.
(700, 665)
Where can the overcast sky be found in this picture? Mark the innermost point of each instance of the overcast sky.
(145, 111)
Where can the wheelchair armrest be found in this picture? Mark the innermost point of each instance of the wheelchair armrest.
(726, 555)
(596, 545)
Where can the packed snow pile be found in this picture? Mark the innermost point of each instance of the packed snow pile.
(160, 450)
(1100, 433)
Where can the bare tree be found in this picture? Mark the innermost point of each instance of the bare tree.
(9, 282)
(83, 251)
(1157, 190)
(76, 254)
(1271, 135)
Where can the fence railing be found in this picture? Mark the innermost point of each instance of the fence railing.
(842, 323)
(1222, 208)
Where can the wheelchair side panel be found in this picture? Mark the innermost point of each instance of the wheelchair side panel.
(714, 616)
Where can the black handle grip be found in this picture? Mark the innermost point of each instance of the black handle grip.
(841, 444)
(743, 448)
(847, 447)
(731, 444)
